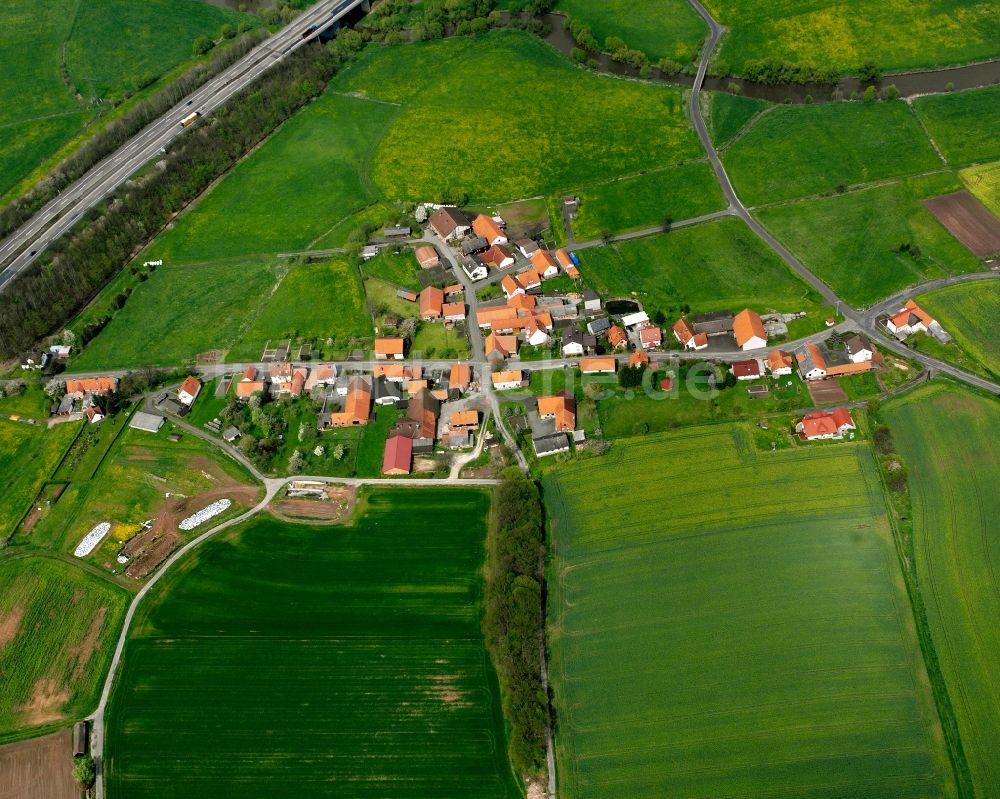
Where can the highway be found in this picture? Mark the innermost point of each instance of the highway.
(22, 247)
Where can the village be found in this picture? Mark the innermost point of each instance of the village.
(525, 311)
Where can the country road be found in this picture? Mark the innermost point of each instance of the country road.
(22, 247)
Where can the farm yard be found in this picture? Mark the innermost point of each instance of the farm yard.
(753, 633)
(56, 622)
(800, 150)
(618, 127)
(845, 35)
(291, 190)
(713, 266)
(384, 686)
(871, 243)
(109, 47)
(971, 314)
(642, 201)
(946, 436)
(961, 124)
(659, 28)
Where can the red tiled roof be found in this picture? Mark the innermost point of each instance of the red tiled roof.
(746, 325)
(397, 456)
(91, 385)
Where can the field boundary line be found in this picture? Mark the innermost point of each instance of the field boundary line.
(721, 148)
(927, 133)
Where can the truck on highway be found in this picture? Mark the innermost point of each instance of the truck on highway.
(190, 119)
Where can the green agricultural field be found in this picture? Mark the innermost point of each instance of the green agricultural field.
(852, 241)
(292, 190)
(963, 124)
(108, 46)
(333, 661)
(971, 314)
(729, 113)
(984, 182)
(897, 34)
(181, 311)
(947, 438)
(313, 301)
(752, 631)
(131, 485)
(57, 624)
(117, 46)
(660, 28)
(28, 456)
(801, 150)
(712, 266)
(401, 270)
(680, 192)
(561, 126)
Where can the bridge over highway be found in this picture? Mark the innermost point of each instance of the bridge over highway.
(20, 249)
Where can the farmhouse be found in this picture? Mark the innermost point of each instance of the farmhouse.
(357, 405)
(749, 330)
(498, 257)
(815, 364)
(423, 410)
(488, 228)
(858, 350)
(449, 223)
(325, 375)
(431, 303)
(593, 366)
(503, 381)
(93, 413)
(650, 337)
(149, 422)
(280, 373)
(534, 330)
(617, 337)
(911, 318)
(398, 455)
(575, 342)
(544, 264)
(473, 270)
(638, 358)
(687, 337)
(464, 420)
(637, 320)
(779, 362)
(427, 257)
(395, 372)
(746, 370)
(474, 245)
(460, 378)
(565, 260)
(453, 311)
(528, 247)
(98, 386)
(825, 424)
(388, 349)
(599, 326)
(247, 388)
(501, 346)
(522, 302)
(189, 389)
(511, 286)
(561, 408)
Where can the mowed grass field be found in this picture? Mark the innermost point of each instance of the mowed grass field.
(947, 438)
(28, 456)
(971, 314)
(801, 150)
(729, 113)
(852, 241)
(56, 624)
(711, 266)
(746, 633)
(109, 46)
(293, 189)
(660, 28)
(520, 120)
(680, 192)
(898, 34)
(318, 661)
(181, 311)
(963, 123)
(313, 301)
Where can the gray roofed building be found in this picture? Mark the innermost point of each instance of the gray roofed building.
(230, 434)
(712, 323)
(474, 244)
(396, 231)
(369, 251)
(150, 422)
(599, 326)
(579, 342)
(460, 440)
(550, 444)
(387, 392)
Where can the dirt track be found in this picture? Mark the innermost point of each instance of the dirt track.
(967, 220)
(38, 769)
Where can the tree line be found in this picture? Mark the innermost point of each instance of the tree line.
(514, 621)
(116, 133)
(77, 266)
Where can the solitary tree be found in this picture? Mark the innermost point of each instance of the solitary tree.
(84, 771)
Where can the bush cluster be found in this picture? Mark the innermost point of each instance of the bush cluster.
(773, 71)
(514, 617)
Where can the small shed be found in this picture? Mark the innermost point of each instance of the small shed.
(81, 738)
(396, 231)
